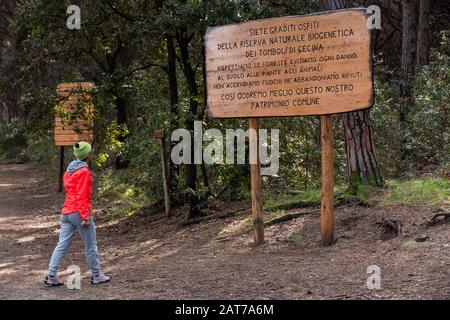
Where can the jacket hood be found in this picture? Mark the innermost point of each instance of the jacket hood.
(76, 165)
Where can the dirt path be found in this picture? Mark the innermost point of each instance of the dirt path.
(149, 258)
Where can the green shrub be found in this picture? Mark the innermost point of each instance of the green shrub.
(430, 117)
(430, 192)
(13, 140)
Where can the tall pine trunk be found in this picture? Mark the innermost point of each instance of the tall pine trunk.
(362, 164)
(423, 44)
(191, 179)
(408, 59)
(122, 119)
(174, 111)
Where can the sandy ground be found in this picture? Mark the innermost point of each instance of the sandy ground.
(151, 258)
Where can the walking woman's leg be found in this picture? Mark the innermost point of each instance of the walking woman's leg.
(90, 245)
(65, 239)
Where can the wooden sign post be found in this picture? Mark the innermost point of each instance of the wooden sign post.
(74, 120)
(327, 201)
(256, 183)
(318, 64)
(159, 135)
(61, 168)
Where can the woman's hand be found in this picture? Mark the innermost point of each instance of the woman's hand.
(85, 224)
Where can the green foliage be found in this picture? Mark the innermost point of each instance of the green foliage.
(13, 140)
(303, 199)
(109, 146)
(428, 120)
(115, 188)
(312, 197)
(425, 192)
(362, 194)
(18, 143)
(430, 117)
(385, 118)
(41, 149)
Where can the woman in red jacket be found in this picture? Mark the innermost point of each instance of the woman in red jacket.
(77, 215)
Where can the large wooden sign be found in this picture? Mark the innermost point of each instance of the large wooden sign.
(75, 123)
(298, 65)
(317, 64)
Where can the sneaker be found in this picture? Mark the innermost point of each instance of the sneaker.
(100, 278)
(53, 281)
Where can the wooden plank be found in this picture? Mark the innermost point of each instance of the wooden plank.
(59, 122)
(298, 65)
(72, 133)
(167, 205)
(76, 137)
(74, 85)
(69, 143)
(64, 143)
(64, 131)
(74, 98)
(86, 127)
(327, 203)
(72, 139)
(159, 135)
(67, 137)
(61, 169)
(256, 183)
(80, 109)
(76, 106)
(74, 94)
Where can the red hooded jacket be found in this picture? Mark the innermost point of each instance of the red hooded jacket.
(78, 192)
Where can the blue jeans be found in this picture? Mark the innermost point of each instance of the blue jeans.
(69, 224)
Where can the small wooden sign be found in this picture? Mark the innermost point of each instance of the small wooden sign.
(76, 104)
(299, 65)
(159, 134)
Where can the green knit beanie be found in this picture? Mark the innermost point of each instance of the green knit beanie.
(81, 150)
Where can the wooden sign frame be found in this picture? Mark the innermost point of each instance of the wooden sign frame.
(218, 109)
(227, 101)
(66, 134)
(78, 130)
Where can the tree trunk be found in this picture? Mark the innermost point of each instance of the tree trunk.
(409, 43)
(120, 163)
(362, 164)
(332, 4)
(174, 112)
(423, 44)
(201, 114)
(408, 59)
(121, 111)
(191, 181)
